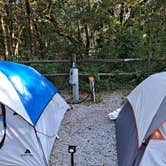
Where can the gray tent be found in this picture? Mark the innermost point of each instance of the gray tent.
(141, 127)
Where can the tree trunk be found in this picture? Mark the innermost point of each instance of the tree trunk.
(39, 39)
(4, 39)
(150, 53)
(16, 48)
(78, 31)
(49, 7)
(30, 22)
(87, 39)
(11, 31)
(92, 42)
(121, 15)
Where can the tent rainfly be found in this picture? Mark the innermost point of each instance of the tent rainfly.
(140, 125)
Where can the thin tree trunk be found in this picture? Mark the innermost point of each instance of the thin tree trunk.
(87, 39)
(11, 32)
(92, 42)
(150, 53)
(87, 33)
(4, 38)
(121, 15)
(30, 22)
(78, 31)
(16, 49)
(49, 7)
(39, 39)
(79, 38)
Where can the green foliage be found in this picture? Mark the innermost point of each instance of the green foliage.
(127, 45)
(56, 29)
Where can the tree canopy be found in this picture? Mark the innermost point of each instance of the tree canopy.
(38, 29)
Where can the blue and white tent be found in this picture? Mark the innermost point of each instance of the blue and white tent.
(30, 115)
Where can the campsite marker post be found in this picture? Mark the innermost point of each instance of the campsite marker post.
(72, 150)
(92, 88)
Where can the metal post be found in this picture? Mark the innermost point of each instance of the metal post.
(74, 81)
(76, 91)
(92, 88)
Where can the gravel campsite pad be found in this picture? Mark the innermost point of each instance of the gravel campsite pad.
(88, 127)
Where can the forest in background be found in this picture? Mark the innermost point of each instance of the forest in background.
(57, 29)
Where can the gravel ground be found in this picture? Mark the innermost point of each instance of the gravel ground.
(88, 127)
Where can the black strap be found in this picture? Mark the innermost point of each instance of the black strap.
(4, 124)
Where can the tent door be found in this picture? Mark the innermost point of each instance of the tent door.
(2, 125)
